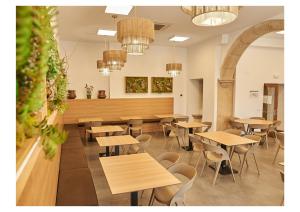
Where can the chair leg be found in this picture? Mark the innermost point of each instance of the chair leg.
(240, 158)
(142, 193)
(256, 164)
(276, 154)
(197, 163)
(266, 140)
(217, 172)
(247, 163)
(151, 198)
(241, 169)
(231, 171)
(203, 167)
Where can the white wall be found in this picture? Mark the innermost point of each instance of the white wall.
(82, 58)
(258, 65)
(202, 65)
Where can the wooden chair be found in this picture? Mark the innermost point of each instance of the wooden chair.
(273, 128)
(280, 141)
(215, 154)
(233, 131)
(236, 125)
(135, 125)
(197, 147)
(282, 178)
(209, 124)
(144, 140)
(168, 159)
(175, 194)
(264, 129)
(245, 150)
(179, 134)
(164, 122)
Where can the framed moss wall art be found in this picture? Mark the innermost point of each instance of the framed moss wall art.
(161, 84)
(136, 84)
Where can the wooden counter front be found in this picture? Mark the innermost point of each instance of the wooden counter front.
(113, 109)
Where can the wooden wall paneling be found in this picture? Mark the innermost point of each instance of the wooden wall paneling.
(113, 109)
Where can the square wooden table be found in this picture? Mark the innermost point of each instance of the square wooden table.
(161, 116)
(90, 119)
(126, 118)
(116, 141)
(226, 139)
(107, 129)
(189, 126)
(133, 173)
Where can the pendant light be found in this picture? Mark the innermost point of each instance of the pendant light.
(135, 34)
(114, 59)
(173, 68)
(103, 68)
(212, 15)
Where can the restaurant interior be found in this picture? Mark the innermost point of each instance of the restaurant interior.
(150, 106)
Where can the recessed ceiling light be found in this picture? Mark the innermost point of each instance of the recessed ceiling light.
(280, 32)
(178, 38)
(121, 10)
(106, 32)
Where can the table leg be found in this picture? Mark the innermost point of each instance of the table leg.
(117, 150)
(134, 198)
(107, 151)
(91, 137)
(190, 146)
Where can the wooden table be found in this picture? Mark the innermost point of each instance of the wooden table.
(253, 121)
(115, 141)
(90, 119)
(226, 139)
(161, 116)
(126, 118)
(133, 173)
(189, 126)
(107, 129)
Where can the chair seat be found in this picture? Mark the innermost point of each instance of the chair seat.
(241, 149)
(213, 156)
(260, 133)
(166, 163)
(198, 147)
(133, 149)
(165, 194)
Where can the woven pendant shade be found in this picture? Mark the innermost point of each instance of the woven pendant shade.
(211, 15)
(174, 69)
(135, 34)
(114, 59)
(103, 69)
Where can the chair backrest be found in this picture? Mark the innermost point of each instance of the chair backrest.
(233, 131)
(172, 157)
(280, 137)
(236, 125)
(255, 138)
(187, 171)
(166, 120)
(178, 132)
(182, 119)
(135, 122)
(209, 124)
(276, 124)
(144, 140)
(212, 148)
(260, 118)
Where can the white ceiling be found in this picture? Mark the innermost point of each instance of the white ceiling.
(78, 23)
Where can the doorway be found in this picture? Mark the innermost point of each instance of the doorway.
(273, 102)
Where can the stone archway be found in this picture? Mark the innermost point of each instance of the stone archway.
(225, 101)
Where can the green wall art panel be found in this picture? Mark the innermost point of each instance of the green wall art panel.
(136, 84)
(161, 84)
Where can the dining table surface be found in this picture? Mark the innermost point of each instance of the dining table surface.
(225, 138)
(126, 118)
(107, 129)
(193, 124)
(116, 140)
(90, 119)
(135, 172)
(161, 116)
(254, 121)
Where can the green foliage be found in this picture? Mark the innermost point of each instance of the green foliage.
(35, 47)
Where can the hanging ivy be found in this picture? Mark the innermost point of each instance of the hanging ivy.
(35, 47)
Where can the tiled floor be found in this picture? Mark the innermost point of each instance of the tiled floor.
(250, 189)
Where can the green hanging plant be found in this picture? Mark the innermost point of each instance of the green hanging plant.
(37, 58)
